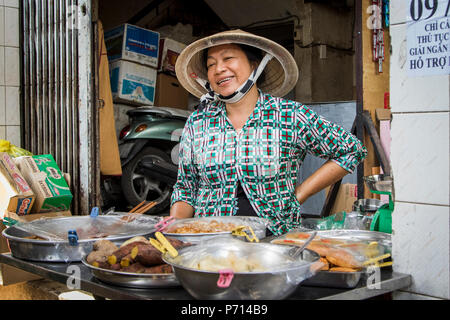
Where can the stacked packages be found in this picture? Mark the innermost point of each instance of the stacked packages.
(32, 184)
(138, 59)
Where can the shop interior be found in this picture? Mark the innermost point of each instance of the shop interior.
(319, 34)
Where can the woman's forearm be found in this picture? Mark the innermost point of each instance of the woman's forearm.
(326, 175)
(181, 210)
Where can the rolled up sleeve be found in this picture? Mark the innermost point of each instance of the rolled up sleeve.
(328, 140)
(186, 186)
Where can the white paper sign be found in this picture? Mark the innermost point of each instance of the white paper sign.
(419, 10)
(428, 38)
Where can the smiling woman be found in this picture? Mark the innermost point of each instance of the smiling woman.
(240, 151)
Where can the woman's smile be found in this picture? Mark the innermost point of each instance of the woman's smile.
(224, 82)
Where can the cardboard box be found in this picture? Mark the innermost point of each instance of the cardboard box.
(345, 198)
(132, 43)
(16, 194)
(170, 93)
(11, 275)
(132, 83)
(169, 50)
(48, 183)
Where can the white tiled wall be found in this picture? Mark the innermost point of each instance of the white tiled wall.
(9, 71)
(420, 151)
(420, 157)
(425, 255)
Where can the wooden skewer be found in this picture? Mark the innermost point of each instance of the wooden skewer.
(137, 207)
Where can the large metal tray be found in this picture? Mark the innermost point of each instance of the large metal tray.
(133, 280)
(328, 279)
(384, 239)
(62, 250)
(257, 224)
(346, 280)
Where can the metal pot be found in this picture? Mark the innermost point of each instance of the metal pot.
(281, 276)
(379, 182)
(367, 205)
(63, 250)
(258, 225)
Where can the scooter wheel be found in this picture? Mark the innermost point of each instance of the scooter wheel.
(137, 187)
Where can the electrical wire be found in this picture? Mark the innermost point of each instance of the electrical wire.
(315, 44)
(267, 21)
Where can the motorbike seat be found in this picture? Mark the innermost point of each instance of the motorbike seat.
(166, 112)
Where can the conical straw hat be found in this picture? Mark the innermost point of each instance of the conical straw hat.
(280, 74)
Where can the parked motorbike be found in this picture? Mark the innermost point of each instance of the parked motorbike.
(148, 149)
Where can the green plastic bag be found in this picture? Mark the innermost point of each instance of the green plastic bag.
(335, 221)
(12, 150)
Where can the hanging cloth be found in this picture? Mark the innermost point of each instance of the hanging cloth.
(109, 147)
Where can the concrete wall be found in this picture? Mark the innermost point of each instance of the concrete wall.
(420, 162)
(324, 53)
(9, 71)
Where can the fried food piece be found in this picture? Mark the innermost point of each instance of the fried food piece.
(178, 244)
(326, 265)
(321, 248)
(331, 241)
(102, 249)
(134, 268)
(104, 245)
(135, 239)
(96, 256)
(284, 241)
(122, 252)
(106, 265)
(148, 255)
(162, 268)
(128, 259)
(298, 235)
(342, 258)
(343, 269)
(316, 246)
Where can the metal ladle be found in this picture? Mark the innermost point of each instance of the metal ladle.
(298, 251)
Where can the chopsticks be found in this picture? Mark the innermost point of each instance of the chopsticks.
(143, 207)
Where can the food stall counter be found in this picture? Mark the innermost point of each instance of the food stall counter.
(68, 273)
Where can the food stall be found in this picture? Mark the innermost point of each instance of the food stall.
(424, 211)
(134, 256)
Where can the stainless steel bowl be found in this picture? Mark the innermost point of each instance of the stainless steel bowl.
(367, 205)
(133, 280)
(258, 225)
(62, 250)
(379, 182)
(281, 277)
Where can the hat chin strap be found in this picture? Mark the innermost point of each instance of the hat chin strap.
(239, 93)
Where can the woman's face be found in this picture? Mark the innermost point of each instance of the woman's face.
(228, 68)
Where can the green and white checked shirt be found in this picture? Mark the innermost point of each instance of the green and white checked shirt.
(265, 156)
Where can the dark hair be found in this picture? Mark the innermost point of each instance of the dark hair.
(253, 55)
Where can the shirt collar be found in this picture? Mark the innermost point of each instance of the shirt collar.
(265, 102)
